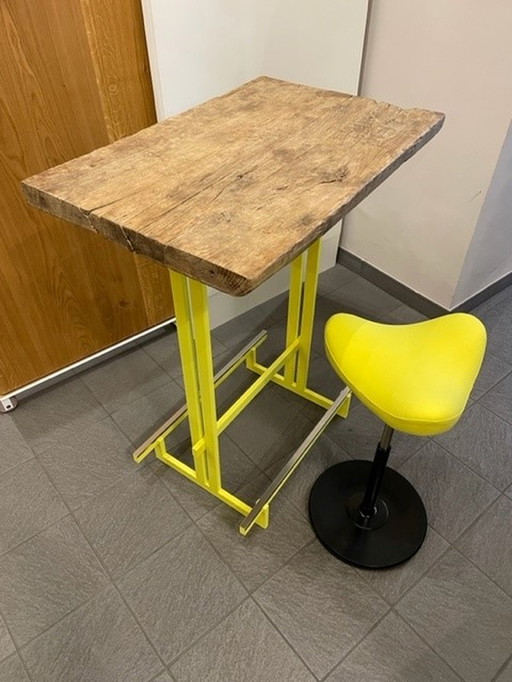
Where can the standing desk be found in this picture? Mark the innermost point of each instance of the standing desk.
(225, 195)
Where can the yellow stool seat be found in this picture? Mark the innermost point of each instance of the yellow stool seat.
(415, 377)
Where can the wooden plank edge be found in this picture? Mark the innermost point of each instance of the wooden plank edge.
(222, 279)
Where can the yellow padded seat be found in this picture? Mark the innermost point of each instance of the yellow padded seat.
(416, 377)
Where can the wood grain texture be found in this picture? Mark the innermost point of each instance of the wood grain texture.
(115, 32)
(117, 42)
(64, 294)
(230, 191)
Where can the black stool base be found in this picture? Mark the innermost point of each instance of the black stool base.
(394, 534)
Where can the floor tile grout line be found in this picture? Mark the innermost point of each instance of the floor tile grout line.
(66, 615)
(88, 426)
(218, 502)
(113, 410)
(65, 501)
(255, 464)
(429, 646)
(148, 557)
(481, 570)
(345, 656)
(448, 549)
(198, 639)
(143, 631)
(116, 588)
(169, 492)
(18, 464)
(425, 574)
(109, 410)
(221, 559)
(268, 578)
(185, 510)
(478, 518)
(79, 377)
(240, 580)
(279, 440)
(452, 543)
(509, 371)
(135, 444)
(383, 310)
(307, 543)
(23, 438)
(31, 537)
(17, 650)
(281, 634)
(501, 669)
(114, 581)
(107, 574)
(49, 525)
(76, 608)
(465, 464)
(304, 547)
(326, 291)
(166, 371)
(162, 672)
(418, 578)
(487, 407)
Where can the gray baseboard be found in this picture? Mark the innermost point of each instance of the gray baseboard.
(409, 296)
(485, 294)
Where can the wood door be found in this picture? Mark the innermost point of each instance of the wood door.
(74, 76)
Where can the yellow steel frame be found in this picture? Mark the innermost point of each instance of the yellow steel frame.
(289, 369)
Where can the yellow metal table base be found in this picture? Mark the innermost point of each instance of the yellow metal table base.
(289, 370)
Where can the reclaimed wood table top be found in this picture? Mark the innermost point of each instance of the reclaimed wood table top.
(232, 190)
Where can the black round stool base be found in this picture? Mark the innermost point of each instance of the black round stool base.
(333, 505)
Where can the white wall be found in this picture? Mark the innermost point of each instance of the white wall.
(454, 57)
(489, 256)
(316, 43)
(199, 49)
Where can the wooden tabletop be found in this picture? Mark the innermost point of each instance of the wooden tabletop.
(232, 190)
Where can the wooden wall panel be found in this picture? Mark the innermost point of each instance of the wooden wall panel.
(116, 36)
(118, 47)
(65, 293)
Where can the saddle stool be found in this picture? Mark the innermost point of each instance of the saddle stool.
(417, 378)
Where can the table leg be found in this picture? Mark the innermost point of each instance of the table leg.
(188, 353)
(289, 369)
(194, 339)
(299, 330)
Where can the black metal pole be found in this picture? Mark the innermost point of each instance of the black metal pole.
(367, 508)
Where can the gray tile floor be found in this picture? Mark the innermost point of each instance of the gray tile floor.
(113, 572)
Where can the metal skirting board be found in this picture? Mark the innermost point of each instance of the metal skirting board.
(9, 401)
